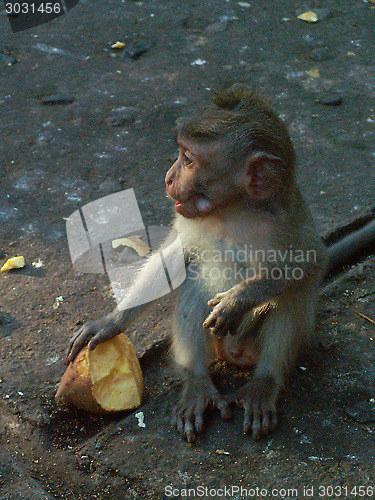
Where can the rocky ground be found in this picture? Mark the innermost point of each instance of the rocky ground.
(80, 121)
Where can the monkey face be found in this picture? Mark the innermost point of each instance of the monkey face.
(199, 181)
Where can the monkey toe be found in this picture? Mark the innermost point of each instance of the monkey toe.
(259, 424)
(189, 432)
(199, 422)
(188, 421)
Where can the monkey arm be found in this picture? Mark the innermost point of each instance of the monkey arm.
(230, 306)
(95, 332)
(135, 300)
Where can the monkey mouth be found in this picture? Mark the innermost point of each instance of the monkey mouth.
(194, 206)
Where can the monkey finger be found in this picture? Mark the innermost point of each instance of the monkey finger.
(79, 340)
(213, 321)
(98, 339)
(214, 302)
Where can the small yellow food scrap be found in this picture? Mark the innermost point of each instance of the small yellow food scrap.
(134, 242)
(13, 263)
(118, 45)
(309, 17)
(314, 73)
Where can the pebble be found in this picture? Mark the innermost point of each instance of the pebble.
(57, 99)
(111, 186)
(4, 318)
(363, 412)
(195, 23)
(321, 14)
(135, 50)
(349, 141)
(217, 27)
(329, 99)
(121, 116)
(7, 60)
(321, 54)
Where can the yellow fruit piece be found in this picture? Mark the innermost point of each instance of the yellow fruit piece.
(13, 263)
(134, 242)
(118, 45)
(313, 73)
(309, 17)
(115, 364)
(107, 379)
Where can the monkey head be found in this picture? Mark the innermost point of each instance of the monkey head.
(237, 150)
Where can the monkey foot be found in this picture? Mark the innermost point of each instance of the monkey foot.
(196, 397)
(258, 399)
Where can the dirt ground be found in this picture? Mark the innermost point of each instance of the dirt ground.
(111, 128)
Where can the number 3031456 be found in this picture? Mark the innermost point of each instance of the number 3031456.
(32, 8)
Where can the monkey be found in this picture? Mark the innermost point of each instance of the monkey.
(254, 262)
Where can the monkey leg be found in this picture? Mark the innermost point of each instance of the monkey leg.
(284, 330)
(193, 353)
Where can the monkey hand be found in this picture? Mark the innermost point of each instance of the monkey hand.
(228, 310)
(91, 333)
(196, 397)
(258, 399)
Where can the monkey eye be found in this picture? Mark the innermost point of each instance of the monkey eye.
(188, 160)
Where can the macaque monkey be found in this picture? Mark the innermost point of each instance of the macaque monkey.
(254, 261)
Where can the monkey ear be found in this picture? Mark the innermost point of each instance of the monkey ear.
(264, 174)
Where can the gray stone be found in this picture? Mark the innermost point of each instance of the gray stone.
(4, 318)
(121, 116)
(329, 99)
(321, 54)
(7, 60)
(110, 186)
(363, 412)
(51, 100)
(135, 50)
(217, 27)
(195, 23)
